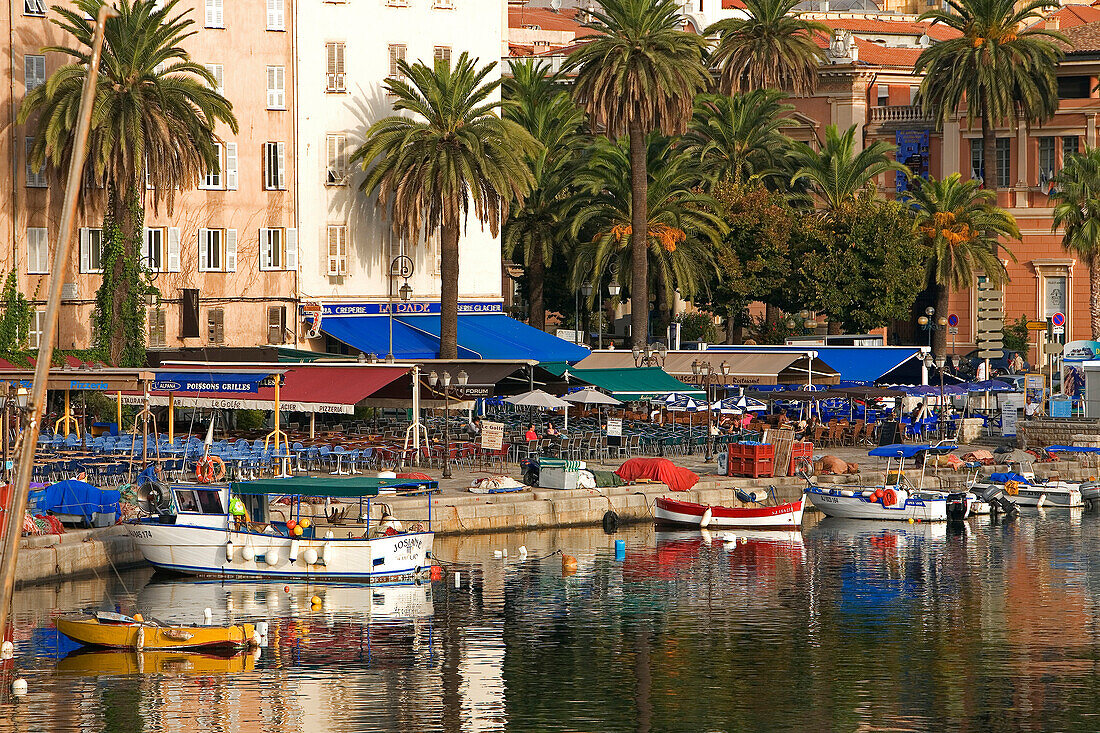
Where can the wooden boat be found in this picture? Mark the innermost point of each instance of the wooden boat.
(93, 663)
(686, 513)
(119, 631)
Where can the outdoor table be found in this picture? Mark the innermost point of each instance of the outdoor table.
(339, 462)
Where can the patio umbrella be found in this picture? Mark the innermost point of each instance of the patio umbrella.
(542, 400)
(589, 396)
(679, 402)
(738, 405)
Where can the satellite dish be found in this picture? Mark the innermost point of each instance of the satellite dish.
(555, 5)
(925, 41)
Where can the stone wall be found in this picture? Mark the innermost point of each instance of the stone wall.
(1063, 431)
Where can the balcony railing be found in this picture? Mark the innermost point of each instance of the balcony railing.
(899, 113)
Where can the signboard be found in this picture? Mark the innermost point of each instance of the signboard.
(1081, 351)
(1036, 325)
(405, 308)
(492, 435)
(1008, 423)
(566, 334)
(1035, 387)
(207, 382)
(953, 330)
(1058, 319)
(1010, 403)
(952, 320)
(1058, 330)
(231, 403)
(615, 427)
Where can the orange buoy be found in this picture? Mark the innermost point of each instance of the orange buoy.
(437, 572)
(889, 497)
(291, 524)
(297, 531)
(568, 564)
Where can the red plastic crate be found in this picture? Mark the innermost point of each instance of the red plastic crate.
(800, 450)
(751, 461)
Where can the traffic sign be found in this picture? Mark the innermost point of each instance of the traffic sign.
(953, 330)
(1036, 325)
(1058, 319)
(952, 320)
(1058, 330)
(993, 325)
(990, 353)
(1054, 349)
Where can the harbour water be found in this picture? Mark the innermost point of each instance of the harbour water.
(846, 626)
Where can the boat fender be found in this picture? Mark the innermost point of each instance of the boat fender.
(1042, 500)
(229, 551)
(255, 640)
(610, 522)
(704, 521)
(7, 650)
(327, 551)
(293, 557)
(19, 687)
(329, 535)
(310, 556)
(272, 557)
(248, 553)
(889, 497)
(139, 640)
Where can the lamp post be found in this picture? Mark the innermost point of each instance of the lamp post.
(14, 406)
(930, 323)
(651, 355)
(586, 288)
(703, 372)
(613, 289)
(400, 266)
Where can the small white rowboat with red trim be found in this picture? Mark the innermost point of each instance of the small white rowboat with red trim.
(686, 513)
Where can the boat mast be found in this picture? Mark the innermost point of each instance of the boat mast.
(13, 525)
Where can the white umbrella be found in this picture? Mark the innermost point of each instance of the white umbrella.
(589, 396)
(680, 402)
(738, 405)
(542, 400)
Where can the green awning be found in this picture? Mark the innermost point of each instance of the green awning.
(633, 385)
(342, 488)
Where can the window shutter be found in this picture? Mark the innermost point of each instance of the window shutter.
(218, 317)
(342, 232)
(218, 72)
(276, 323)
(276, 87)
(333, 252)
(231, 166)
(204, 243)
(230, 250)
(173, 259)
(275, 20)
(85, 250)
(291, 262)
(265, 249)
(331, 175)
(280, 168)
(34, 71)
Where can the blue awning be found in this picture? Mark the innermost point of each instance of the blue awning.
(856, 364)
(197, 381)
(490, 336)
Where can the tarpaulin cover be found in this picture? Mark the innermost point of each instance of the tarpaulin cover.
(78, 497)
(658, 469)
(325, 486)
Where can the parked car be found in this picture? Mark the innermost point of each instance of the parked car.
(968, 368)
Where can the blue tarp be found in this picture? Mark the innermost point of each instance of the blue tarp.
(77, 497)
(491, 336)
(207, 382)
(1001, 478)
(858, 365)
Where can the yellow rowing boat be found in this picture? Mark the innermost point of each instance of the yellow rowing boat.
(117, 630)
(93, 663)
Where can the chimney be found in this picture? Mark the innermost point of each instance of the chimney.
(1053, 23)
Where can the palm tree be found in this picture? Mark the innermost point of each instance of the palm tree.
(837, 172)
(453, 151)
(1077, 213)
(740, 138)
(962, 226)
(771, 49)
(154, 118)
(640, 73)
(683, 228)
(1002, 65)
(538, 229)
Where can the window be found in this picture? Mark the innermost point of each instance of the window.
(217, 250)
(1069, 146)
(397, 53)
(38, 325)
(443, 54)
(337, 250)
(275, 15)
(158, 329)
(274, 166)
(225, 176)
(91, 250)
(977, 159)
(1054, 295)
(214, 178)
(1048, 162)
(883, 95)
(35, 178)
(215, 16)
(334, 64)
(162, 249)
(218, 72)
(278, 249)
(1004, 162)
(336, 154)
(1073, 87)
(215, 326)
(34, 7)
(276, 87)
(914, 94)
(34, 71)
(276, 324)
(38, 251)
(231, 166)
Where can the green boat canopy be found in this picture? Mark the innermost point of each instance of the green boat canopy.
(333, 488)
(628, 385)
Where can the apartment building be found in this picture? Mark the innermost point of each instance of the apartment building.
(225, 258)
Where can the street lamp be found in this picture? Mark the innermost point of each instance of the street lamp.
(586, 288)
(613, 289)
(400, 266)
(651, 355)
(704, 373)
(928, 323)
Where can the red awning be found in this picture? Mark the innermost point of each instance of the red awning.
(305, 388)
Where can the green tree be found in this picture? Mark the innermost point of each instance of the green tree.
(740, 138)
(837, 172)
(1077, 214)
(453, 151)
(538, 229)
(1001, 65)
(960, 224)
(771, 49)
(154, 119)
(639, 74)
(862, 266)
(682, 226)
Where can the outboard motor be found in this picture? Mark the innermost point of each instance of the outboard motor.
(958, 507)
(998, 500)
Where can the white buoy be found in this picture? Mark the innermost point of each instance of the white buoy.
(458, 579)
(19, 687)
(329, 535)
(523, 550)
(248, 553)
(309, 556)
(505, 551)
(498, 554)
(272, 557)
(293, 551)
(704, 522)
(7, 650)
(229, 551)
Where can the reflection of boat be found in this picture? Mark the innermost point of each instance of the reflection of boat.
(117, 630)
(673, 511)
(862, 529)
(101, 662)
(212, 531)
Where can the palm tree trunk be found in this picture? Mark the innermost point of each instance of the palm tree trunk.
(939, 336)
(772, 314)
(989, 153)
(662, 307)
(448, 289)
(536, 278)
(639, 239)
(1094, 299)
(120, 319)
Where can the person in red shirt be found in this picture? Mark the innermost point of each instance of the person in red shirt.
(532, 434)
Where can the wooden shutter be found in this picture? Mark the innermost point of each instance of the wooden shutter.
(218, 72)
(215, 16)
(276, 323)
(230, 250)
(34, 71)
(276, 87)
(215, 324)
(231, 166)
(335, 66)
(85, 250)
(280, 165)
(172, 259)
(158, 328)
(397, 53)
(291, 260)
(204, 244)
(275, 21)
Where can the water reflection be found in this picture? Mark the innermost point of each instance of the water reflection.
(848, 625)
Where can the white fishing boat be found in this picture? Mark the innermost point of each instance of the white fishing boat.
(226, 532)
(1090, 489)
(1026, 490)
(754, 514)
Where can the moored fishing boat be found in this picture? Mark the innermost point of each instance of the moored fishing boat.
(119, 631)
(226, 531)
(709, 516)
(1026, 490)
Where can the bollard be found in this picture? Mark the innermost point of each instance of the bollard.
(620, 550)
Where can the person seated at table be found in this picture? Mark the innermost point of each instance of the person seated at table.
(532, 434)
(918, 413)
(473, 428)
(551, 431)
